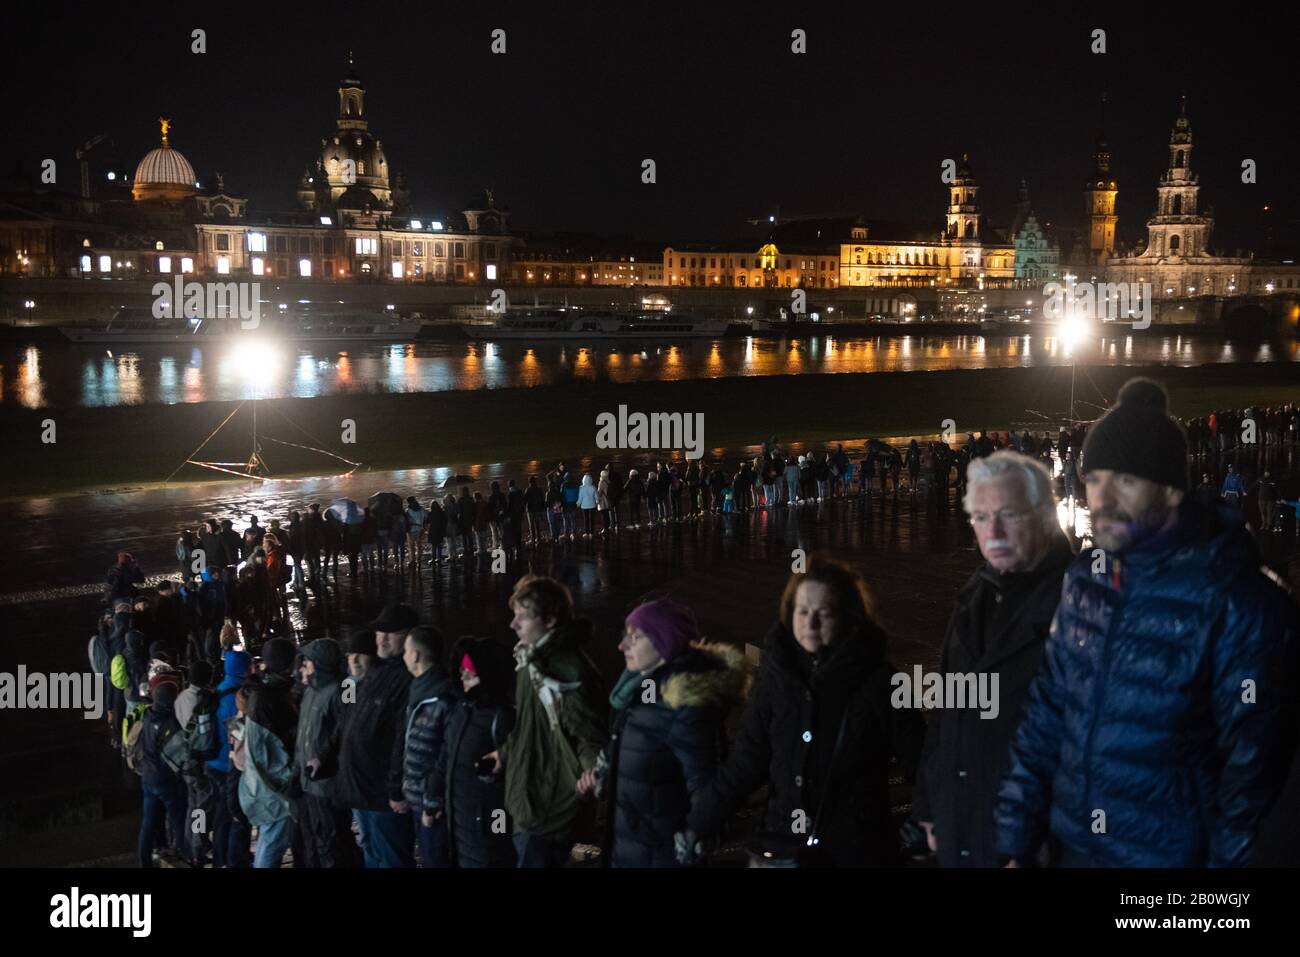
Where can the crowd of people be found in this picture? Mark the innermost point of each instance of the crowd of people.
(1121, 674)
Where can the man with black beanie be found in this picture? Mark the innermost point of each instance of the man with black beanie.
(1160, 727)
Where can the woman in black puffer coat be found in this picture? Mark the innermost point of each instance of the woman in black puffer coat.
(824, 678)
(477, 825)
(668, 741)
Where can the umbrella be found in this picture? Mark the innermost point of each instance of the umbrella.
(456, 480)
(385, 503)
(347, 511)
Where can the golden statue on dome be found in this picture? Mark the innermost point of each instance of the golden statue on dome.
(166, 125)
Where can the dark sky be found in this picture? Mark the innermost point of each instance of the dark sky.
(737, 124)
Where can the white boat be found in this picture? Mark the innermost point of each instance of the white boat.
(139, 327)
(585, 324)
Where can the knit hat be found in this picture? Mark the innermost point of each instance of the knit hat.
(1138, 437)
(466, 664)
(362, 642)
(669, 625)
(277, 655)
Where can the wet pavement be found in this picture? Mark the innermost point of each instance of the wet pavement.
(57, 774)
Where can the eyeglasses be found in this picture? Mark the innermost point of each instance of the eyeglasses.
(1008, 516)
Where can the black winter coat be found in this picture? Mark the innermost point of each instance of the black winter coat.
(370, 756)
(787, 738)
(966, 754)
(666, 750)
(477, 823)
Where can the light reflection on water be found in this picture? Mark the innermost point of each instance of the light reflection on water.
(35, 377)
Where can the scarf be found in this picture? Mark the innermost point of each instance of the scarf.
(549, 691)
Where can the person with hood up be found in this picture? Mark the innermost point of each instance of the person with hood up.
(230, 830)
(430, 702)
(370, 758)
(326, 824)
(668, 739)
(266, 788)
(163, 792)
(561, 725)
(587, 502)
(465, 794)
(820, 730)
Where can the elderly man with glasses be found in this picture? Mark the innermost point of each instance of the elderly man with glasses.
(1000, 625)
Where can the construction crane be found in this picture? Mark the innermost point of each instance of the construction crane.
(82, 153)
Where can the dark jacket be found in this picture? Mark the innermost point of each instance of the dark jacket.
(1165, 700)
(477, 825)
(667, 746)
(159, 725)
(370, 758)
(436, 523)
(787, 738)
(429, 703)
(122, 580)
(320, 718)
(998, 628)
(543, 767)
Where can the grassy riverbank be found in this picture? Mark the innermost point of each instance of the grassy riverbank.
(131, 446)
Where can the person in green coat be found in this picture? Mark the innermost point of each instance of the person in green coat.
(561, 725)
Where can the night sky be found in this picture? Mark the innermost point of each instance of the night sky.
(738, 125)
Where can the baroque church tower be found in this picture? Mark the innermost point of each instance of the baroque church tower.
(1178, 229)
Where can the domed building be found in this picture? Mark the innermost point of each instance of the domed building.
(164, 175)
(351, 172)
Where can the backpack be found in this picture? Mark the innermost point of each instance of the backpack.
(118, 673)
(100, 662)
(133, 736)
(201, 739)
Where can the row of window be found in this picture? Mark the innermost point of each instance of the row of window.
(711, 262)
(106, 264)
(364, 245)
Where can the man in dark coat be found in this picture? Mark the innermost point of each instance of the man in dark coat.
(325, 821)
(1159, 730)
(998, 628)
(370, 758)
(162, 788)
(429, 704)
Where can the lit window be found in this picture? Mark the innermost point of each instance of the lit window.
(416, 224)
(304, 267)
(257, 242)
(259, 266)
(85, 264)
(164, 263)
(326, 221)
(367, 246)
(491, 271)
(187, 264)
(223, 265)
(397, 269)
(105, 263)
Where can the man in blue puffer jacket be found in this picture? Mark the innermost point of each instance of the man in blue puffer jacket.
(1160, 726)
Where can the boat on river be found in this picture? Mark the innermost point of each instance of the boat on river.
(137, 326)
(596, 324)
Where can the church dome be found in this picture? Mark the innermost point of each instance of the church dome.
(164, 173)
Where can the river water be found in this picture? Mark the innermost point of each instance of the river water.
(62, 375)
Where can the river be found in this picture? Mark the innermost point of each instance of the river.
(60, 376)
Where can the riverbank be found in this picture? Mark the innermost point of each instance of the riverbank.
(123, 447)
